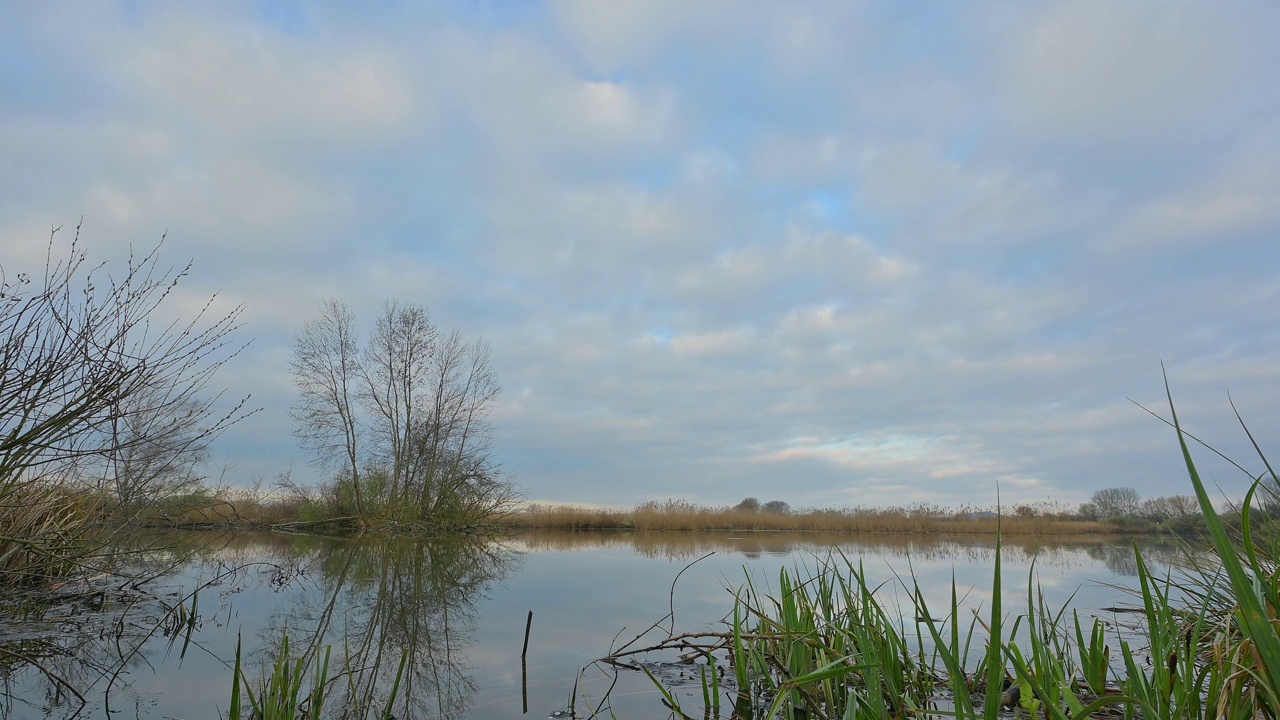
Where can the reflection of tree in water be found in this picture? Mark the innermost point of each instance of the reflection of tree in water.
(971, 550)
(384, 600)
(372, 601)
(1121, 560)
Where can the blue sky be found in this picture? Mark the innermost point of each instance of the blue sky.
(836, 253)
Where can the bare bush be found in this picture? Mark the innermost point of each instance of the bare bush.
(101, 396)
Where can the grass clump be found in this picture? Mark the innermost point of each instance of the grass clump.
(280, 695)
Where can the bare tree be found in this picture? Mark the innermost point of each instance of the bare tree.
(1168, 508)
(456, 474)
(1183, 505)
(1115, 502)
(325, 364)
(82, 349)
(396, 364)
(422, 420)
(748, 505)
(780, 507)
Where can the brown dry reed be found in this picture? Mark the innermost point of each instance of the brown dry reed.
(915, 519)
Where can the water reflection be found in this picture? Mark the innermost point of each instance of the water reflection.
(378, 602)
(374, 602)
(75, 645)
(454, 612)
(1052, 551)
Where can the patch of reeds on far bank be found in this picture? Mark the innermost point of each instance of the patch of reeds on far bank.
(914, 519)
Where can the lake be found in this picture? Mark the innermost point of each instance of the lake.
(456, 613)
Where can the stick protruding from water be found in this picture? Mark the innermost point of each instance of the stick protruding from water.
(527, 624)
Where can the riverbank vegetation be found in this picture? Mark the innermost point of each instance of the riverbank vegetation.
(920, 518)
(290, 506)
(916, 519)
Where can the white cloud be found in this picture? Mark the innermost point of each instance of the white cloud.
(804, 159)
(945, 202)
(1136, 71)
(1235, 199)
(615, 35)
(535, 113)
(724, 342)
(806, 267)
(903, 255)
(236, 79)
(885, 459)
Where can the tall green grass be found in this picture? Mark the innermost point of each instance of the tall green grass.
(1205, 643)
(280, 696)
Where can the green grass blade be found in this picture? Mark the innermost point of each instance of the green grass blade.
(1251, 615)
(235, 712)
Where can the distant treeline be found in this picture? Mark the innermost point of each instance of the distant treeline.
(920, 518)
(1109, 511)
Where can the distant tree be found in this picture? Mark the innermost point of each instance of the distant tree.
(1089, 511)
(1115, 502)
(748, 505)
(160, 448)
(1183, 505)
(1154, 508)
(1169, 508)
(776, 506)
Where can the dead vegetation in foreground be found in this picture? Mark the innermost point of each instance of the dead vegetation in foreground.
(915, 519)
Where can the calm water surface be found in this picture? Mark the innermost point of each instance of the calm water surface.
(456, 612)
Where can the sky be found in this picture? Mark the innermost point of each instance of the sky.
(833, 253)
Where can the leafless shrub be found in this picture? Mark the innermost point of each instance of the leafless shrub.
(105, 403)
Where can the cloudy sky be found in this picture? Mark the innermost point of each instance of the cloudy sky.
(836, 253)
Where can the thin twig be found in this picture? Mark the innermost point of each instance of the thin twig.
(671, 607)
(48, 673)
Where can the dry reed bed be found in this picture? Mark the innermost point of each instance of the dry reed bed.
(675, 515)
